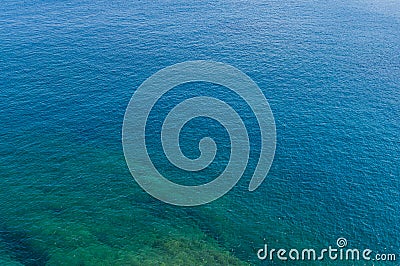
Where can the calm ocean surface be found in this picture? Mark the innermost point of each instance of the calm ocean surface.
(331, 74)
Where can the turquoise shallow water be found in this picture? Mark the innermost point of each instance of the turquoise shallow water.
(330, 71)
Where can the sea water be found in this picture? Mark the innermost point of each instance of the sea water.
(331, 74)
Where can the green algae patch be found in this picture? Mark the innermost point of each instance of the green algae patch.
(184, 252)
(73, 217)
(169, 252)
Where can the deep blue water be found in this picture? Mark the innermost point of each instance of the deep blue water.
(331, 74)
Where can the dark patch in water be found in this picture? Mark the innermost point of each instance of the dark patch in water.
(17, 244)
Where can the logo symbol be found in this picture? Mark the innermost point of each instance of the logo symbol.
(341, 242)
(143, 101)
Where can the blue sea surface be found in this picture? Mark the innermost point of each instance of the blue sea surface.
(329, 69)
